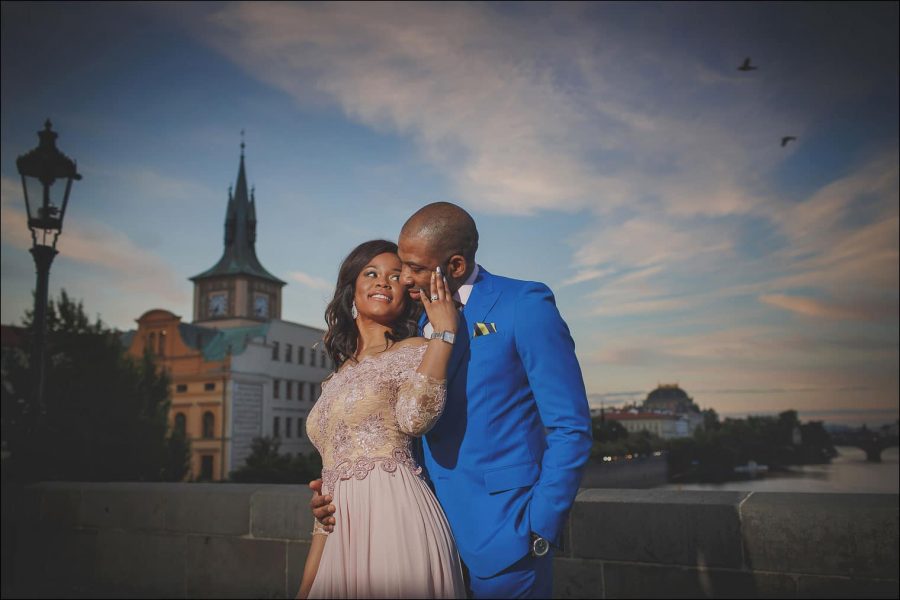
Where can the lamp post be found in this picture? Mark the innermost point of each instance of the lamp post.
(46, 207)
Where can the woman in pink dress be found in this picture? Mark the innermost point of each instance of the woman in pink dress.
(391, 538)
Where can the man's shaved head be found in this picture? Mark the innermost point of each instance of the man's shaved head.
(446, 228)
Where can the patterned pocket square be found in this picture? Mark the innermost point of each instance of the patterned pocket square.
(484, 329)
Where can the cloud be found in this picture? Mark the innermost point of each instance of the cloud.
(164, 187)
(670, 158)
(756, 391)
(315, 283)
(644, 242)
(751, 345)
(821, 230)
(90, 243)
(811, 307)
(13, 221)
(651, 261)
(586, 275)
(637, 307)
(524, 114)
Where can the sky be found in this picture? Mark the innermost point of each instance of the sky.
(610, 150)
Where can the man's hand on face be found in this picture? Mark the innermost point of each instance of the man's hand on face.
(321, 506)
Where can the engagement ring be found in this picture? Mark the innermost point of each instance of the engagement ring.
(434, 298)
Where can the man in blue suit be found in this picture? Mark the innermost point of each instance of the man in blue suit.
(506, 457)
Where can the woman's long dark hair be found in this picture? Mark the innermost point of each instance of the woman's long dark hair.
(342, 337)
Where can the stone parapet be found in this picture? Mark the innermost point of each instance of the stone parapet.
(178, 540)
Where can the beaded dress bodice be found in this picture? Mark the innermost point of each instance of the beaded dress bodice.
(369, 412)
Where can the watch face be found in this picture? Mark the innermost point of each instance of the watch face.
(218, 303)
(261, 306)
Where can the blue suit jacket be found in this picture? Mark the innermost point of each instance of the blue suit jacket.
(506, 457)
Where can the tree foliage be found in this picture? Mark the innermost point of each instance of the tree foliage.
(713, 452)
(612, 439)
(106, 413)
(266, 465)
(717, 447)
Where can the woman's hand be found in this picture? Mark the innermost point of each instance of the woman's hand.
(439, 305)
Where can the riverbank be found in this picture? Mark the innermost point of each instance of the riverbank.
(846, 474)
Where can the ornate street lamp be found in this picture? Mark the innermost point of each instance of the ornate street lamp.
(46, 206)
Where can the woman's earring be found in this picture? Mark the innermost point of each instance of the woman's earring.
(353, 312)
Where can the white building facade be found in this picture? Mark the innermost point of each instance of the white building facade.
(666, 426)
(275, 381)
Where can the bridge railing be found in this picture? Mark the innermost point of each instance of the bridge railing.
(248, 541)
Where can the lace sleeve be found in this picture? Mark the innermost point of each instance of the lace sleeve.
(318, 528)
(420, 402)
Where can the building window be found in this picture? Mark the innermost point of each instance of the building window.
(300, 388)
(276, 427)
(322, 360)
(208, 424)
(312, 391)
(275, 351)
(181, 388)
(152, 343)
(289, 389)
(288, 352)
(301, 351)
(276, 388)
(287, 427)
(299, 427)
(162, 343)
(209, 387)
(181, 423)
(206, 467)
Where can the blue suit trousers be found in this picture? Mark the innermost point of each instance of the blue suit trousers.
(529, 577)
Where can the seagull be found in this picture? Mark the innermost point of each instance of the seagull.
(746, 66)
(786, 139)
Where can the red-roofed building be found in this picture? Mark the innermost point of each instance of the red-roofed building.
(667, 411)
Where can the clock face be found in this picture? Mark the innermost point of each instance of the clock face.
(218, 304)
(261, 305)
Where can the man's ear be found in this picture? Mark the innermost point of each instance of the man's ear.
(456, 266)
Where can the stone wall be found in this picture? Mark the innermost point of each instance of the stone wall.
(638, 473)
(249, 541)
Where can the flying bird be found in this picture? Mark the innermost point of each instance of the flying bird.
(746, 66)
(786, 139)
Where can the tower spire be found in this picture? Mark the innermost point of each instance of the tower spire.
(239, 254)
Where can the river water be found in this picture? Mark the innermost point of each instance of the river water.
(848, 473)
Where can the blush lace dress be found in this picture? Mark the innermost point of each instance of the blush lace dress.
(391, 539)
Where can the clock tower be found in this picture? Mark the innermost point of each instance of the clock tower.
(237, 291)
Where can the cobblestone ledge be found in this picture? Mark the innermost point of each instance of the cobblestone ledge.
(155, 540)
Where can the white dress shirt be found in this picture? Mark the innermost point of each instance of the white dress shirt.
(461, 296)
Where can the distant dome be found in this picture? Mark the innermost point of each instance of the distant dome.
(667, 392)
(670, 397)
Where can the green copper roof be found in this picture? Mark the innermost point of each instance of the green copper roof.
(214, 343)
(232, 340)
(196, 336)
(239, 257)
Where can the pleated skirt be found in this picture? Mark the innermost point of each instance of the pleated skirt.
(391, 540)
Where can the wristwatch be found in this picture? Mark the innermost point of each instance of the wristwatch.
(444, 336)
(539, 546)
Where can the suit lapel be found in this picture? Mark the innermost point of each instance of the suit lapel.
(481, 300)
(484, 296)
